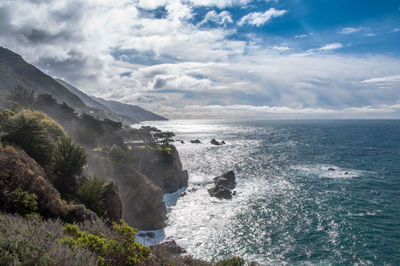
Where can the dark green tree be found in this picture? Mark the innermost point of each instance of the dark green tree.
(166, 137)
(70, 157)
(31, 136)
(91, 194)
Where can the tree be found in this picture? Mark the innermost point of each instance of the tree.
(166, 137)
(70, 158)
(22, 97)
(31, 136)
(91, 194)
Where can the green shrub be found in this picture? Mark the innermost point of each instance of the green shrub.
(70, 158)
(54, 129)
(91, 194)
(121, 251)
(31, 136)
(235, 261)
(23, 202)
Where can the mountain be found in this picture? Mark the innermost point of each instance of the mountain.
(127, 113)
(127, 110)
(101, 110)
(15, 71)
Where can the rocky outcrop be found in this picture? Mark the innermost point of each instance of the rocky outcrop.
(142, 200)
(169, 247)
(223, 186)
(143, 205)
(215, 142)
(164, 169)
(196, 141)
(79, 214)
(113, 202)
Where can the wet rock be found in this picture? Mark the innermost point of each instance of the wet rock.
(223, 185)
(346, 173)
(214, 142)
(223, 142)
(196, 141)
(331, 169)
(220, 192)
(192, 189)
(227, 180)
(182, 142)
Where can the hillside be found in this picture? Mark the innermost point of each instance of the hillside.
(127, 110)
(15, 71)
(104, 110)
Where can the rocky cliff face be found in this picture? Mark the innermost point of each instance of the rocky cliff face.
(142, 200)
(113, 202)
(164, 168)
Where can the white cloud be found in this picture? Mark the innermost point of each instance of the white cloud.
(278, 112)
(393, 78)
(300, 36)
(396, 30)
(258, 18)
(331, 46)
(282, 48)
(174, 66)
(223, 18)
(350, 30)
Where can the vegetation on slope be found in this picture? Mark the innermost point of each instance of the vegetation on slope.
(43, 176)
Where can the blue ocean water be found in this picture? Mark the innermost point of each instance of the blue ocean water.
(290, 208)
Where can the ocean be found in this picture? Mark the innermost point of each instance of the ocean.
(290, 207)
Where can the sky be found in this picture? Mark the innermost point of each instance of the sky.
(234, 59)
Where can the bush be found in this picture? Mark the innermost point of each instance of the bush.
(23, 202)
(34, 242)
(31, 136)
(20, 174)
(70, 158)
(123, 250)
(54, 129)
(91, 194)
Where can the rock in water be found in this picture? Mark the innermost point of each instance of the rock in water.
(223, 186)
(220, 192)
(196, 141)
(227, 180)
(214, 142)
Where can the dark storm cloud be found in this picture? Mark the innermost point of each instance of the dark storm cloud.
(73, 68)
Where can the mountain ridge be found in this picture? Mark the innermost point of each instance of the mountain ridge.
(15, 71)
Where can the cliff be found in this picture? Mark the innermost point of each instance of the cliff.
(162, 166)
(142, 199)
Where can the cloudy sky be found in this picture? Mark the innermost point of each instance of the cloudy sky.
(219, 59)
